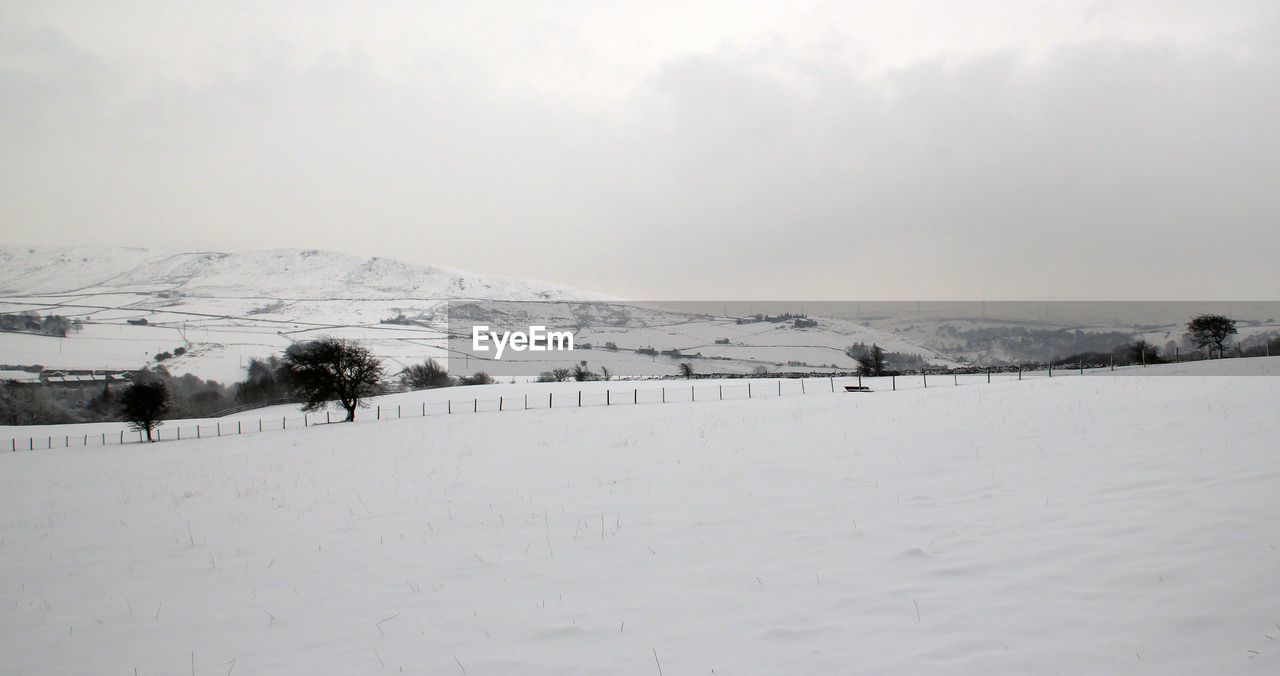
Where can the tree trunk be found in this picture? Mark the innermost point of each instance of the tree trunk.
(351, 413)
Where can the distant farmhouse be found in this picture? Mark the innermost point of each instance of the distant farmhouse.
(67, 379)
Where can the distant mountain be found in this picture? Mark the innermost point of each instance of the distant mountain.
(286, 274)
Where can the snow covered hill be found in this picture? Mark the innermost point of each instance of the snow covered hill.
(223, 309)
(285, 274)
(1087, 525)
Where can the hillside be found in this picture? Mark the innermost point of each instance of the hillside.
(285, 274)
(1104, 525)
(223, 309)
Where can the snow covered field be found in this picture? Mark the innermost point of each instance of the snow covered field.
(1080, 525)
(224, 309)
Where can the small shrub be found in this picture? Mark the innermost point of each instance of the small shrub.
(478, 378)
(427, 375)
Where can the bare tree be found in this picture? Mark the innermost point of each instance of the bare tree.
(581, 373)
(332, 368)
(1211, 330)
(143, 404)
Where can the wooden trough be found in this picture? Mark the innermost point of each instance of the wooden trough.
(856, 388)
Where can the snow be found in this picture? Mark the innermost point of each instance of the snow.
(1080, 524)
(1257, 366)
(227, 308)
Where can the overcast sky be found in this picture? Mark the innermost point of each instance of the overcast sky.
(667, 150)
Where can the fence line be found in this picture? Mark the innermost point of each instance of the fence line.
(609, 396)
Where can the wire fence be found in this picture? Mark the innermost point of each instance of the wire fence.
(670, 392)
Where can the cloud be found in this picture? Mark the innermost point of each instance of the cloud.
(764, 169)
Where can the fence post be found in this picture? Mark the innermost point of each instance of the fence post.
(579, 398)
(1113, 362)
(925, 377)
(499, 403)
(424, 407)
(859, 381)
(1050, 368)
(13, 443)
(284, 423)
(893, 380)
(956, 378)
(104, 438)
(988, 375)
(122, 437)
(259, 424)
(664, 395)
(551, 399)
(397, 410)
(379, 413)
(475, 405)
(31, 443)
(306, 422)
(219, 424)
(1019, 371)
(693, 396)
(66, 441)
(197, 430)
(607, 398)
(179, 433)
(526, 402)
(780, 387)
(635, 396)
(833, 382)
(802, 386)
(450, 402)
(1081, 367)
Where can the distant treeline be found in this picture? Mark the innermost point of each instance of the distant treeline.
(889, 362)
(40, 404)
(30, 322)
(1019, 343)
(777, 319)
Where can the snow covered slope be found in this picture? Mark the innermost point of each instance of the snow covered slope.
(223, 309)
(1081, 525)
(288, 274)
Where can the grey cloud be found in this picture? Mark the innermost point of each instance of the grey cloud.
(1101, 169)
